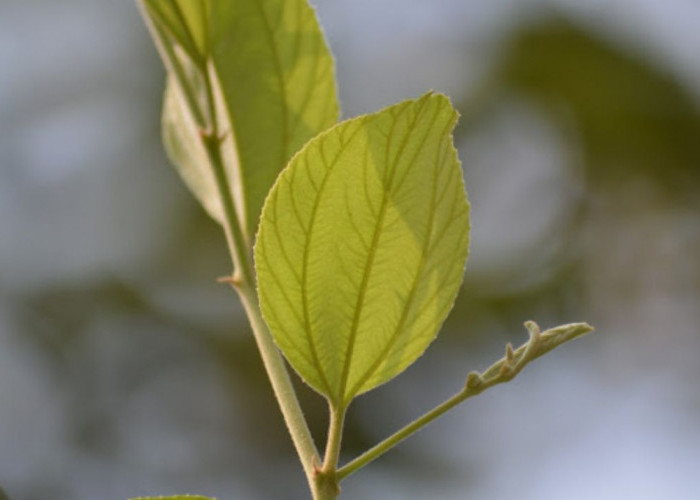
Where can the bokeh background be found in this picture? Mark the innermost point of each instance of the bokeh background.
(126, 370)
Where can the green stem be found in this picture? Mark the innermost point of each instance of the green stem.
(281, 384)
(328, 490)
(388, 443)
(239, 246)
(335, 436)
(326, 484)
(244, 283)
(503, 370)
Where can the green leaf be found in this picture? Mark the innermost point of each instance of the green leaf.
(177, 497)
(186, 152)
(273, 77)
(362, 245)
(185, 21)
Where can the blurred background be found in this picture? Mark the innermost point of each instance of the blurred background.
(126, 370)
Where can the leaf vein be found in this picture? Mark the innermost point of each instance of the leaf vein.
(305, 261)
(408, 302)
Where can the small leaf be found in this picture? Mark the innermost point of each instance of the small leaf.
(186, 152)
(273, 74)
(362, 245)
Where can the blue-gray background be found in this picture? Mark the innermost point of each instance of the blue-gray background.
(126, 370)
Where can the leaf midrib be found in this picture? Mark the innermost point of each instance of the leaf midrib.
(425, 251)
(369, 263)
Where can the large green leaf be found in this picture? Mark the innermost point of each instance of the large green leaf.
(362, 245)
(273, 73)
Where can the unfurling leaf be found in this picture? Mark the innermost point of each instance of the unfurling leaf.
(273, 79)
(362, 245)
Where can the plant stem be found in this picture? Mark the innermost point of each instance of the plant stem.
(244, 283)
(326, 490)
(243, 279)
(335, 436)
(326, 480)
(326, 485)
(281, 384)
(502, 371)
(388, 443)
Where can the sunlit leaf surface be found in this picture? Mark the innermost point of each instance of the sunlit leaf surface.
(276, 89)
(362, 246)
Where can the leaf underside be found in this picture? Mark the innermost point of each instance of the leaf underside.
(362, 246)
(276, 89)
